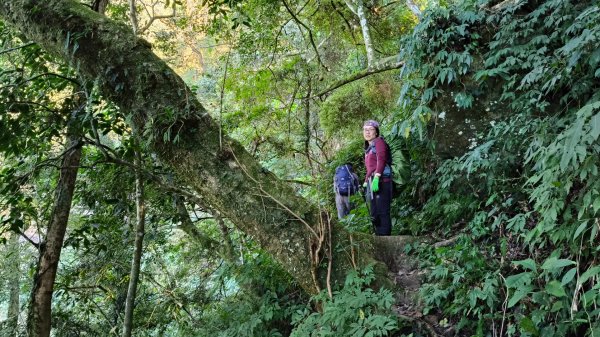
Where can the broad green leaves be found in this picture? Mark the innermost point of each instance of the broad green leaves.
(353, 311)
(554, 263)
(533, 176)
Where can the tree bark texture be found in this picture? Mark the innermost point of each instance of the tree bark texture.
(39, 316)
(13, 284)
(364, 25)
(175, 126)
(100, 6)
(357, 7)
(133, 16)
(138, 248)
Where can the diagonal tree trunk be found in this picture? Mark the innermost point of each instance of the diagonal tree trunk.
(178, 129)
(39, 316)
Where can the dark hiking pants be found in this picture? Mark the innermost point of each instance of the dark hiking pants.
(380, 207)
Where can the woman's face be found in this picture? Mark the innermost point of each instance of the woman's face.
(369, 133)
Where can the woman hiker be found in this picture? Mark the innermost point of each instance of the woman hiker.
(378, 180)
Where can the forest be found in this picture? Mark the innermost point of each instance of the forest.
(166, 168)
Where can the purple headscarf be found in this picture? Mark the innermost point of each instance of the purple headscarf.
(372, 123)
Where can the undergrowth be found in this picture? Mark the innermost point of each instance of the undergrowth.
(521, 205)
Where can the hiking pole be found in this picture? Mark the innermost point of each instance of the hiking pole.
(367, 200)
(369, 186)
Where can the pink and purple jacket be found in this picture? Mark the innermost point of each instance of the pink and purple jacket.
(375, 160)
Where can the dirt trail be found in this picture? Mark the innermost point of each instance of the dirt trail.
(407, 276)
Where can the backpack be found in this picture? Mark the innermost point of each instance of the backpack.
(345, 181)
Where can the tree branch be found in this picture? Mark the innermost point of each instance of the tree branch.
(42, 75)
(187, 226)
(16, 48)
(153, 18)
(337, 10)
(320, 45)
(447, 242)
(133, 17)
(157, 179)
(295, 181)
(310, 35)
(383, 65)
(161, 183)
(414, 8)
(351, 7)
(364, 25)
(35, 244)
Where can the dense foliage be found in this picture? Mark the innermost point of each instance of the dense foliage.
(523, 199)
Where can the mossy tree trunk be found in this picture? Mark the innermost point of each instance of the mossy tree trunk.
(175, 126)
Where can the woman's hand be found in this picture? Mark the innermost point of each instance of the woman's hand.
(375, 184)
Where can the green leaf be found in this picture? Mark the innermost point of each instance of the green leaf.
(568, 276)
(557, 306)
(555, 288)
(573, 136)
(463, 100)
(515, 281)
(580, 229)
(554, 263)
(589, 298)
(527, 264)
(519, 294)
(527, 325)
(596, 205)
(589, 273)
(491, 199)
(595, 126)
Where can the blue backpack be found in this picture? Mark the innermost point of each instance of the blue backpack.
(345, 182)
